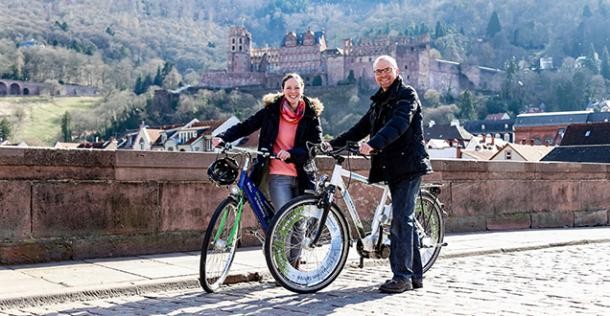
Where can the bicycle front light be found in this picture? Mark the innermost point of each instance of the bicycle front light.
(234, 190)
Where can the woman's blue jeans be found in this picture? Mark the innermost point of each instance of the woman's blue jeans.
(405, 259)
(282, 189)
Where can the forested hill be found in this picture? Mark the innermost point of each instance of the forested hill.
(123, 47)
(129, 34)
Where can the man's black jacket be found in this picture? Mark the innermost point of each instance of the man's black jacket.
(394, 123)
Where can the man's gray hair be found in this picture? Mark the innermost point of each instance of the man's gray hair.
(387, 58)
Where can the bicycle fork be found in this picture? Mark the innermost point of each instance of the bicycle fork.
(325, 202)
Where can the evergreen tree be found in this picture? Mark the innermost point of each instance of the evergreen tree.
(351, 78)
(605, 64)
(440, 30)
(602, 8)
(592, 62)
(5, 129)
(167, 67)
(586, 11)
(468, 106)
(137, 89)
(158, 81)
(493, 26)
(66, 127)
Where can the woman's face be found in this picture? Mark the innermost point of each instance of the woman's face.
(292, 91)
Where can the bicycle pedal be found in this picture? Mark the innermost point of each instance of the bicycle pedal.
(256, 233)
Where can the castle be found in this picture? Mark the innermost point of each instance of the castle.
(307, 54)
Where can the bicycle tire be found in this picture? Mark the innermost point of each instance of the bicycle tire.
(429, 215)
(307, 273)
(217, 253)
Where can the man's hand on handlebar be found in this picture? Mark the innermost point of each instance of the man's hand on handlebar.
(366, 149)
(217, 142)
(326, 147)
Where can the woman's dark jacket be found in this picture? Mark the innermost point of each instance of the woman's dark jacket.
(394, 123)
(268, 120)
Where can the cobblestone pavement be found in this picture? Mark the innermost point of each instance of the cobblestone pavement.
(568, 280)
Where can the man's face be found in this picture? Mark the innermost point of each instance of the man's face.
(385, 74)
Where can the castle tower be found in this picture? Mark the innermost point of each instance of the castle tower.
(413, 58)
(239, 50)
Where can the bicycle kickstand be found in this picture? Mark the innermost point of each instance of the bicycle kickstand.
(361, 265)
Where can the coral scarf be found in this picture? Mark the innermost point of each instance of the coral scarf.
(291, 116)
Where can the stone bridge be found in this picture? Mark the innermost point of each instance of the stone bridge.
(19, 88)
(73, 204)
(26, 88)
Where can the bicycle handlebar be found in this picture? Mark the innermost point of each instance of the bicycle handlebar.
(349, 147)
(231, 149)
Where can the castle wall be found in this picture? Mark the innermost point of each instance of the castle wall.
(445, 76)
(301, 59)
(335, 70)
(490, 80)
(224, 80)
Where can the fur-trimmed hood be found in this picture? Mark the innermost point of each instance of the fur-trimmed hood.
(315, 103)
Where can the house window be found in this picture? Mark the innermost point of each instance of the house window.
(508, 155)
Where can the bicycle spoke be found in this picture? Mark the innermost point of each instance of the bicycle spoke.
(297, 264)
(219, 245)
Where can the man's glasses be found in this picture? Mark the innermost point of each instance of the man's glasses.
(386, 70)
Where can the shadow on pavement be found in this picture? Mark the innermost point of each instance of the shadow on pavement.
(239, 300)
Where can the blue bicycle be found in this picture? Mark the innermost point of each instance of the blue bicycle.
(223, 232)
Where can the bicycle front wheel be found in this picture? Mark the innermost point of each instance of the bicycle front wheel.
(430, 229)
(219, 245)
(293, 261)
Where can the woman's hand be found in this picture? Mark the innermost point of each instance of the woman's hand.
(283, 155)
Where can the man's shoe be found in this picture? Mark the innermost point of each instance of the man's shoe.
(417, 283)
(396, 286)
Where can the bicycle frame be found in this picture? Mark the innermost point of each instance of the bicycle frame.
(366, 239)
(246, 188)
(337, 180)
(259, 204)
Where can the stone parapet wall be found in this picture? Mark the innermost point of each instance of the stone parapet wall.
(74, 204)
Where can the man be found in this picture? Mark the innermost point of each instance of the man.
(394, 124)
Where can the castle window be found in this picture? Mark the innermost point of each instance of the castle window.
(406, 67)
(233, 48)
(240, 40)
(232, 41)
(240, 48)
(412, 49)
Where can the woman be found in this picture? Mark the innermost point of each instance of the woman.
(287, 122)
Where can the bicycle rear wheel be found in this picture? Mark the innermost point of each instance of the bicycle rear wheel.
(430, 228)
(219, 245)
(293, 263)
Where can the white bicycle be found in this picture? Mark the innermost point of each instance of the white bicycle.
(308, 240)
